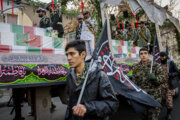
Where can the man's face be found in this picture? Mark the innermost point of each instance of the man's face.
(50, 8)
(142, 25)
(163, 57)
(41, 14)
(144, 56)
(79, 20)
(74, 58)
(86, 15)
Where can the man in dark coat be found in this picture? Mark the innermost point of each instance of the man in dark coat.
(56, 18)
(98, 100)
(171, 73)
(45, 20)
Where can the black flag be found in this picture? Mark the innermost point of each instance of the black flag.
(120, 82)
(156, 51)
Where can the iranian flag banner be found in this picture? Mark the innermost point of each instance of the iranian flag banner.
(25, 39)
(31, 56)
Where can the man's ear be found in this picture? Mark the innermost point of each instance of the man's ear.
(83, 54)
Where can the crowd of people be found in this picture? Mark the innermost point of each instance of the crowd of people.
(138, 34)
(99, 100)
(54, 20)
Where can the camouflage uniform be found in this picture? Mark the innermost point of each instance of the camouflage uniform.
(56, 19)
(81, 77)
(144, 37)
(121, 36)
(44, 22)
(132, 35)
(153, 88)
(167, 94)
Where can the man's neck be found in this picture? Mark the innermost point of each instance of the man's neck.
(79, 69)
(144, 63)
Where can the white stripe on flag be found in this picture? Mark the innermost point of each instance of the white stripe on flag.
(47, 42)
(7, 38)
(19, 49)
(59, 51)
(125, 49)
(39, 31)
(5, 27)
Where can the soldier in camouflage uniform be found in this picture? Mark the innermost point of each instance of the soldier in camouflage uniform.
(170, 71)
(45, 21)
(149, 82)
(79, 27)
(144, 36)
(121, 35)
(56, 19)
(132, 34)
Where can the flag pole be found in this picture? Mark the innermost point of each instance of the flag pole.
(155, 37)
(92, 60)
(109, 30)
(84, 83)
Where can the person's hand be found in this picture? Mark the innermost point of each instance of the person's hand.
(79, 110)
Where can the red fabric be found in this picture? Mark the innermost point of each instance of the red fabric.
(131, 12)
(28, 30)
(117, 22)
(137, 18)
(122, 26)
(47, 51)
(52, 4)
(2, 6)
(120, 50)
(34, 41)
(133, 49)
(122, 42)
(12, 8)
(5, 49)
(82, 7)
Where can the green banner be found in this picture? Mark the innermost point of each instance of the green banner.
(24, 74)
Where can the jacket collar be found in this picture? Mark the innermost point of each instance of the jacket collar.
(91, 75)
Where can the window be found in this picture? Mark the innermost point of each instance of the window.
(10, 19)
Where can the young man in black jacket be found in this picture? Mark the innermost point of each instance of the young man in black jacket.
(98, 100)
(170, 73)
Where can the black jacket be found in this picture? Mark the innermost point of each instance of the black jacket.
(173, 73)
(98, 96)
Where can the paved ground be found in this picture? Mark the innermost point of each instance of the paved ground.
(125, 112)
(58, 114)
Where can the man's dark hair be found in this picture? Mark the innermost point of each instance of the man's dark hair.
(143, 49)
(162, 54)
(79, 45)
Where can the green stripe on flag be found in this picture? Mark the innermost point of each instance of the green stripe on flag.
(58, 42)
(115, 49)
(20, 39)
(34, 50)
(17, 28)
(117, 42)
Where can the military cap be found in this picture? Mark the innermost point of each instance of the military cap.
(142, 22)
(40, 10)
(79, 17)
(49, 4)
(86, 12)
